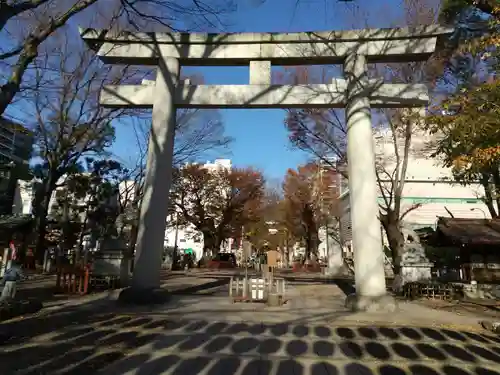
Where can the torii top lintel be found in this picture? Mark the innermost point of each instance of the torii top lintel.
(379, 45)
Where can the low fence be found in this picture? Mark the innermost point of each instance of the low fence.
(442, 291)
(73, 279)
(253, 289)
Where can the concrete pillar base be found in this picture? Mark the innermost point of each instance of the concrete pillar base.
(384, 304)
(143, 296)
(491, 326)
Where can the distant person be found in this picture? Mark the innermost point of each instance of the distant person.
(10, 279)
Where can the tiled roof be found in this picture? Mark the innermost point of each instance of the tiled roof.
(470, 231)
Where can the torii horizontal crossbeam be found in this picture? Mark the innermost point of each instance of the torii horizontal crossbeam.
(379, 45)
(268, 96)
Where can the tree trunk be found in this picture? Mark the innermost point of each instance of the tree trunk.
(41, 229)
(307, 252)
(210, 243)
(488, 195)
(396, 239)
(65, 230)
(287, 256)
(42, 210)
(496, 184)
(311, 236)
(134, 232)
(311, 244)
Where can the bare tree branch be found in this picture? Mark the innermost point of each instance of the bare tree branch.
(166, 13)
(10, 10)
(69, 124)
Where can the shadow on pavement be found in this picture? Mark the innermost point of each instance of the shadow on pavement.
(82, 343)
(97, 338)
(347, 286)
(189, 290)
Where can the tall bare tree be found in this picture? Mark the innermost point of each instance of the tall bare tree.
(26, 25)
(68, 122)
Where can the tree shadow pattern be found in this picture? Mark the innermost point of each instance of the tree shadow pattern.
(109, 343)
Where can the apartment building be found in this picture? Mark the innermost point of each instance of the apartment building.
(16, 146)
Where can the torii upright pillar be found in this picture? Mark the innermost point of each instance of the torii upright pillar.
(363, 193)
(157, 183)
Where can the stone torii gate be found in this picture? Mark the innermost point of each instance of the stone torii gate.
(357, 93)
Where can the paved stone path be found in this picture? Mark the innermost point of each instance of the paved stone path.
(208, 335)
(155, 345)
(42, 287)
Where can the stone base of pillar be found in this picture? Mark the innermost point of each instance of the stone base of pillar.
(491, 326)
(141, 296)
(385, 303)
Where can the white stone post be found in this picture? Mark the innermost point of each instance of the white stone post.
(366, 237)
(154, 206)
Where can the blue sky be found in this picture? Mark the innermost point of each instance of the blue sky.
(260, 137)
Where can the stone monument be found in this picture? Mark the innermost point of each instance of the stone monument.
(356, 92)
(111, 258)
(414, 264)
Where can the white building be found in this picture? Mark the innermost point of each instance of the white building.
(25, 193)
(427, 184)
